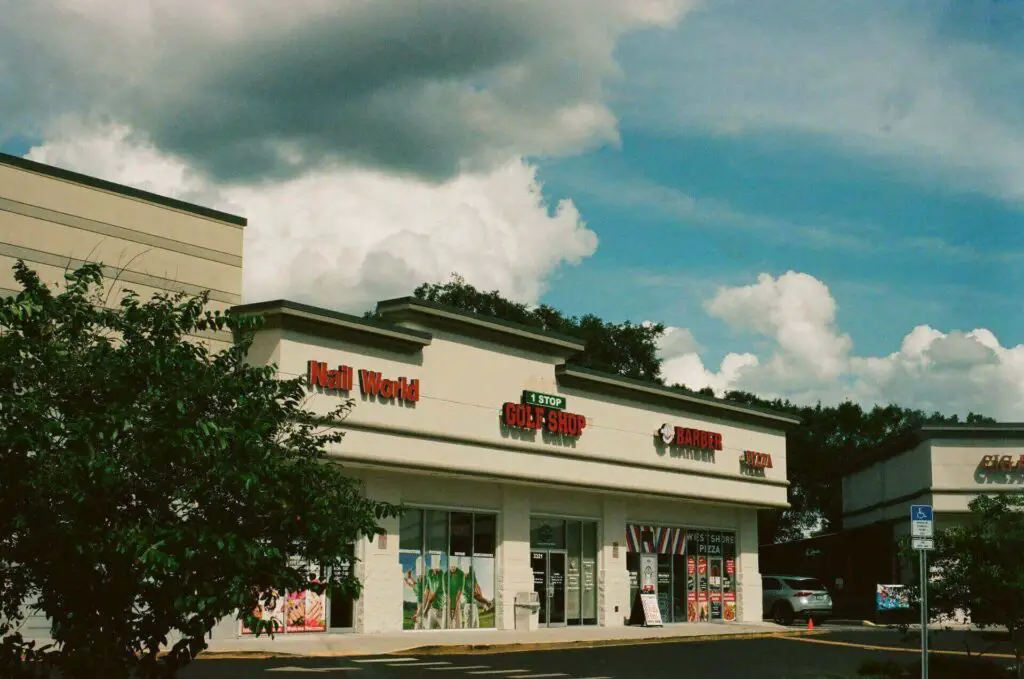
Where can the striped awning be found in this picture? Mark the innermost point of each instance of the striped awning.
(655, 539)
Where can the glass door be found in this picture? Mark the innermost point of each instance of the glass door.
(556, 588)
(715, 568)
(549, 571)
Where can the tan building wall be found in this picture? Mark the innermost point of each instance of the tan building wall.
(54, 220)
(450, 449)
(941, 467)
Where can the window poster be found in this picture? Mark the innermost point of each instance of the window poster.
(424, 600)
(729, 578)
(306, 612)
(691, 588)
(476, 595)
(702, 589)
(269, 613)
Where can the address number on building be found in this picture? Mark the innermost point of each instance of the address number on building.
(535, 398)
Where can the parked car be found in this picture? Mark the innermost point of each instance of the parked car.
(787, 597)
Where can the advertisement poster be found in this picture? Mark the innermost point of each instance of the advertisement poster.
(424, 592)
(702, 589)
(263, 613)
(477, 596)
(891, 597)
(691, 589)
(447, 592)
(305, 612)
(728, 591)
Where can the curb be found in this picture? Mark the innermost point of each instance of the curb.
(852, 623)
(490, 649)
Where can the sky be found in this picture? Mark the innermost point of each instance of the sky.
(821, 200)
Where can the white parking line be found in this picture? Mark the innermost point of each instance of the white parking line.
(421, 664)
(454, 668)
(387, 660)
(499, 672)
(597, 677)
(313, 669)
(542, 676)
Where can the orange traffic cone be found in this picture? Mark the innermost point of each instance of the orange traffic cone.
(810, 623)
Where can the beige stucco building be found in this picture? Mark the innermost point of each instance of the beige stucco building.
(584, 516)
(523, 474)
(55, 219)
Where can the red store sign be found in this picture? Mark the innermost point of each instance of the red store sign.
(755, 460)
(690, 438)
(1002, 463)
(370, 383)
(526, 416)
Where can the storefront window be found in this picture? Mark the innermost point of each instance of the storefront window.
(666, 547)
(714, 560)
(447, 561)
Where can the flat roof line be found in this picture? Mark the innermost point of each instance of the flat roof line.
(121, 189)
(401, 306)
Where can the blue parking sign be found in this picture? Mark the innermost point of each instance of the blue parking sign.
(921, 513)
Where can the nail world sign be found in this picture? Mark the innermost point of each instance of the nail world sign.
(371, 383)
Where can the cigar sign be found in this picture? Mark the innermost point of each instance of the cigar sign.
(371, 383)
(1002, 463)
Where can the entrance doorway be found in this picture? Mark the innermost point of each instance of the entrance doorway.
(549, 584)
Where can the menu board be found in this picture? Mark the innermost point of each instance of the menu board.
(652, 614)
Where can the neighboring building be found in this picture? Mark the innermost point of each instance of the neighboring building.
(55, 219)
(585, 515)
(945, 466)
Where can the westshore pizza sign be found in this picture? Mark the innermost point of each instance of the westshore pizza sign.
(371, 382)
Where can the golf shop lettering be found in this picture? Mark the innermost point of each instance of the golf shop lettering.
(371, 383)
(526, 416)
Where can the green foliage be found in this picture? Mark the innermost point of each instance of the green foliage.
(618, 348)
(977, 567)
(151, 486)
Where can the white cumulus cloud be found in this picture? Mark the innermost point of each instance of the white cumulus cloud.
(345, 238)
(810, 359)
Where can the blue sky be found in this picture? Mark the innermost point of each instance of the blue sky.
(822, 199)
(896, 246)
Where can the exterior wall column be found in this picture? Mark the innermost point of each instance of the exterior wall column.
(748, 575)
(613, 578)
(379, 607)
(514, 573)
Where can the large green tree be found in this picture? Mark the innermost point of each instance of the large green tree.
(625, 349)
(150, 486)
(830, 437)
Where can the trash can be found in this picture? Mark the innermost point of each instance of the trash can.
(527, 610)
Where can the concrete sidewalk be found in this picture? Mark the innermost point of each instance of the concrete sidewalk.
(482, 641)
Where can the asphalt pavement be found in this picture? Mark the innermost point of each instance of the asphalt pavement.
(838, 653)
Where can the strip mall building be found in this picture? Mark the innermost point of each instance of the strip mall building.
(525, 474)
(521, 472)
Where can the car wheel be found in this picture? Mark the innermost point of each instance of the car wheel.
(782, 614)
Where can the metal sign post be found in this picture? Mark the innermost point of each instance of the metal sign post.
(922, 533)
